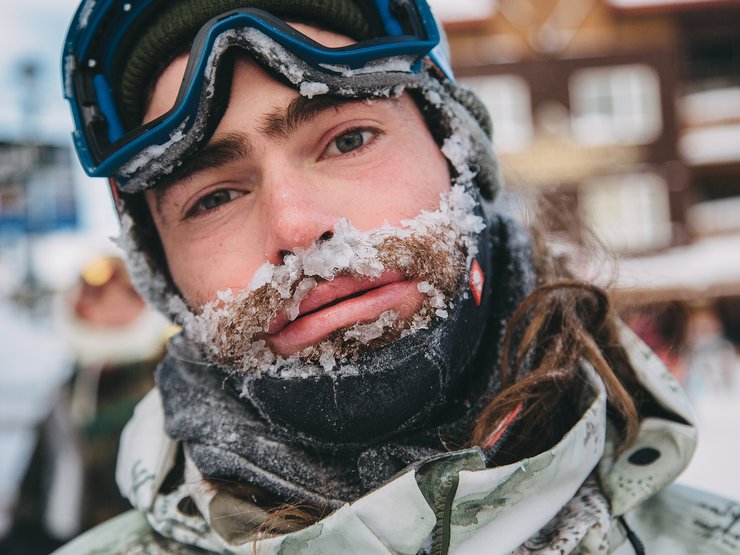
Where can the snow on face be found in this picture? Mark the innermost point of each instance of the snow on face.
(433, 250)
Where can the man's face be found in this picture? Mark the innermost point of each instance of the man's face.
(279, 172)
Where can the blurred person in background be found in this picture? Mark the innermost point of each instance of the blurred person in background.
(35, 364)
(710, 358)
(116, 342)
(376, 357)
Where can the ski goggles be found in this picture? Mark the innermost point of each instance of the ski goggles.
(134, 157)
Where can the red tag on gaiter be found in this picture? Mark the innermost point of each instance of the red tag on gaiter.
(477, 279)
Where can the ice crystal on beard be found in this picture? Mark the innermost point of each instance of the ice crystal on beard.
(348, 250)
(327, 359)
(301, 292)
(365, 333)
(424, 287)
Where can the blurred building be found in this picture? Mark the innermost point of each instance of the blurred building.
(36, 189)
(37, 198)
(627, 112)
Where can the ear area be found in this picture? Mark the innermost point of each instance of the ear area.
(487, 177)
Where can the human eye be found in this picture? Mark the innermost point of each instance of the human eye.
(350, 141)
(213, 200)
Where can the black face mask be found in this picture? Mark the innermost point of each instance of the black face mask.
(329, 439)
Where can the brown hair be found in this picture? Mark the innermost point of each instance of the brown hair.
(562, 324)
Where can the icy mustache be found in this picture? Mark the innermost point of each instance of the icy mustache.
(431, 250)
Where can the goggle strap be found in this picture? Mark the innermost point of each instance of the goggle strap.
(116, 197)
(108, 108)
(439, 59)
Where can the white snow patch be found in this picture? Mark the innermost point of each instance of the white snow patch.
(86, 12)
(638, 4)
(713, 106)
(153, 152)
(715, 144)
(149, 283)
(703, 267)
(222, 42)
(327, 359)
(424, 287)
(311, 89)
(70, 64)
(434, 98)
(463, 10)
(348, 250)
(225, 296)
(267, 47)
(398, 64)
(457, 149)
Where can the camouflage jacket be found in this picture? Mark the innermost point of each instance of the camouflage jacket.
(579, 497)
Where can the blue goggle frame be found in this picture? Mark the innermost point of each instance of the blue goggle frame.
(102, 143)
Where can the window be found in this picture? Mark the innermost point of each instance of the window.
(616, 105)
(629, 213)
(508, 100)
(463, 10)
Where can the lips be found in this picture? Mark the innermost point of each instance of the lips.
(341, 303)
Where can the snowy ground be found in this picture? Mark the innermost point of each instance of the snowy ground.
(716, 462)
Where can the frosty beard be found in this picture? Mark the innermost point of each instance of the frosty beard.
(433, 249)
(238, 341)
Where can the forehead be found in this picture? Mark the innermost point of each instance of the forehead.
(323, 36)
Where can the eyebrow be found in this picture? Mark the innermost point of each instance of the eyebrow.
(232, 147)
(237, 146)
(281, 123)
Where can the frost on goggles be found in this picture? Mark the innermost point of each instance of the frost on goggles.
(136, 158)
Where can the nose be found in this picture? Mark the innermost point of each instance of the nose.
(296, 216)
(282, 253)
